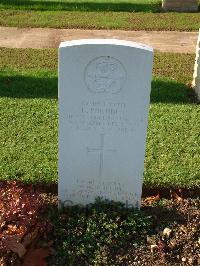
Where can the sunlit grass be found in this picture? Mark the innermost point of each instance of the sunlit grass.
(29, 118)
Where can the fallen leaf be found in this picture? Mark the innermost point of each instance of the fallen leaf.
(167, 232)
(162, 246)
(2, 261)
(29, 238)
(175, 196)
(152, 199)
(15, 246)
(184, 229)
(151, 239)
(12, 238)
(36, 257)
(153, 248)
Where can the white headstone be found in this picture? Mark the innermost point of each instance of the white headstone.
(104, 91)
(180, 5)
(196, 76)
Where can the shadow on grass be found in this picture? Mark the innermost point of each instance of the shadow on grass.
(28, 87)
(17, 86)
(170, 92)
(80, 6)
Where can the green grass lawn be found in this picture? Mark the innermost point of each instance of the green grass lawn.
(101, 20)
(83, 5)
(29, 119)
(92, 14)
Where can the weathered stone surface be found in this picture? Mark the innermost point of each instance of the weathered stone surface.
(104, 93)
(180, 5)
(196, 76)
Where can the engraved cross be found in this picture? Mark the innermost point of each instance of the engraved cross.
(100, 151)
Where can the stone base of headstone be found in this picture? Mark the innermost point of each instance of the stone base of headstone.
(196, 76)
(180, 5)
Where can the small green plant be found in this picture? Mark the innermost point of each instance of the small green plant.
(97, 233)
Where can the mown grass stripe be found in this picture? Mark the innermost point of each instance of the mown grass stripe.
(82, 5)
(101, 20)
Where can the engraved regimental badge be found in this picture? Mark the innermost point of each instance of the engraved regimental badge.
(105, 74)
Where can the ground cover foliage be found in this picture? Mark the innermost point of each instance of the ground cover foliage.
(106, 233)
(85, 234)
(36, 233)
(92, 14)
(29, 118)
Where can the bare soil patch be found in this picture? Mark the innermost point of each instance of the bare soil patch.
(179, 42)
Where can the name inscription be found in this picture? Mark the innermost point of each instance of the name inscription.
(102, 116)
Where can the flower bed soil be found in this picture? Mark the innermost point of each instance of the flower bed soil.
(28, 235)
